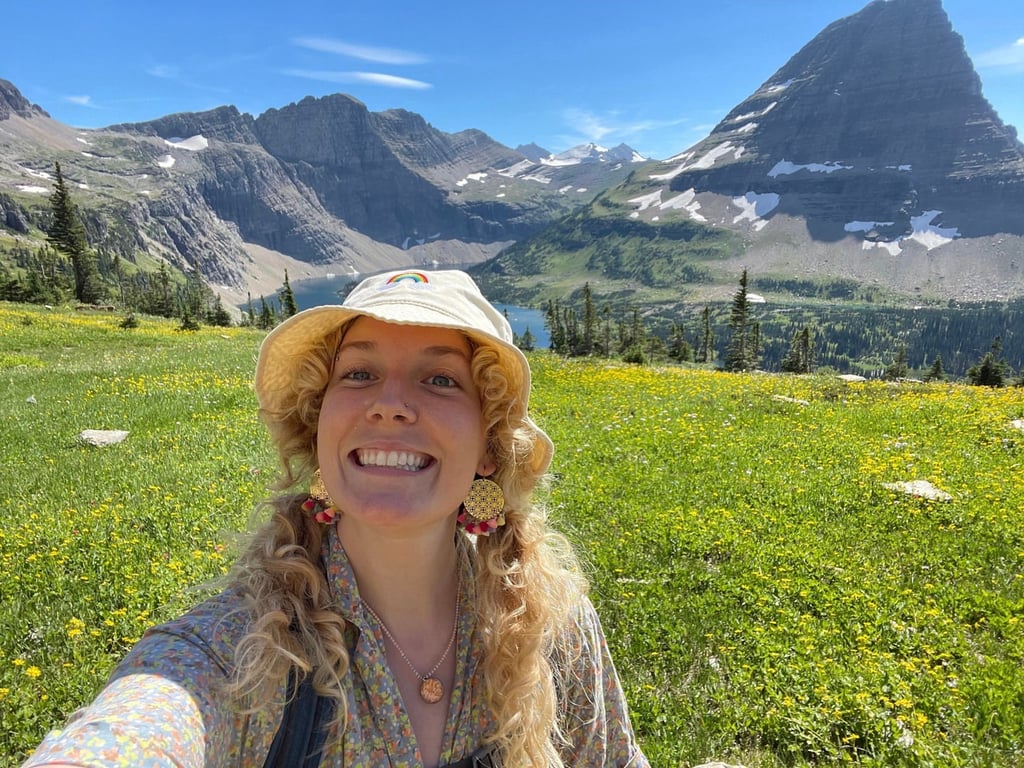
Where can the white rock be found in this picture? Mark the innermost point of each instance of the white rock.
(852, 377)
(31, 399)
(101, 438)
(921, 488)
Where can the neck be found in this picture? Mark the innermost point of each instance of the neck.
(408, 581)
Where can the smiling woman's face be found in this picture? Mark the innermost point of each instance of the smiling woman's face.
(400, 434)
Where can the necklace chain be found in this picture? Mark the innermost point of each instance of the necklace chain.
(431, 689)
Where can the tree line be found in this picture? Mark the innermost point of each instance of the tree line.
(879, 342)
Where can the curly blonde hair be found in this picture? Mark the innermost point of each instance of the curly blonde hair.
(529, 583)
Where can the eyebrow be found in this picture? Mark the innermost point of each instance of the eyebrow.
(439, 350)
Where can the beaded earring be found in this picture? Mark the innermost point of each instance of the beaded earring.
(483, 510)
(319, 503)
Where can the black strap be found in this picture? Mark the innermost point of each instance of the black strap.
(299, 741)
(483, 758)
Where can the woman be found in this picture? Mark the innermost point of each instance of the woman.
(415, 587)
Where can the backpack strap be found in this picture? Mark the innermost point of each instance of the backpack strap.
(299, 741)
(485, 757)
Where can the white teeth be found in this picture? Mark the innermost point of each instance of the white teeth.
(398, 459)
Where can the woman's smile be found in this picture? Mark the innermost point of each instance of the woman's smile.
(407, 461)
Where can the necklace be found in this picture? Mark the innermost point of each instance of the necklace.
(431, 689)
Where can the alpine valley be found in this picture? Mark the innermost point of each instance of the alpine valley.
(866, 183)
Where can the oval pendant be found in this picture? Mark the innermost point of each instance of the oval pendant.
(431, 690)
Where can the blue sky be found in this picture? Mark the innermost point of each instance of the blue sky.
(656, 75)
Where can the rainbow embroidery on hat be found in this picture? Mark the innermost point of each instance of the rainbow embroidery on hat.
(407, 277)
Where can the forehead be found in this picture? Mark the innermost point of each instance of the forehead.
(370, 333)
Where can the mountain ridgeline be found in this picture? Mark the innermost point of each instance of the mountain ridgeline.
(867, 187)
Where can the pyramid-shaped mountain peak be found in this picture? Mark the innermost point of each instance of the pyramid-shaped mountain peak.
(891, 85)
(879, 118)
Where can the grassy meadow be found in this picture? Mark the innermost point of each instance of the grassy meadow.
(769, 602)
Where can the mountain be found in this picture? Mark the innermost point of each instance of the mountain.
(316, 187)
(871, 160)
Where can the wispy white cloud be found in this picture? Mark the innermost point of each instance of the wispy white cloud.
(611, 127)
(373, 78)
(363, 52)
(82, 101)
(164, 71)
(1009, 58)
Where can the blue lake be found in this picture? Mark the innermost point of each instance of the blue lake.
(325, 290)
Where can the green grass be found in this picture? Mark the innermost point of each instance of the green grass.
(768, 601)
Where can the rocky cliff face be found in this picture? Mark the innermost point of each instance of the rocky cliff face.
(13, 103)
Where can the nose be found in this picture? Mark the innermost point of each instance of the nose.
(392, 404)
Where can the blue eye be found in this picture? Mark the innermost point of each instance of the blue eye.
(440, 380)
(357, 376)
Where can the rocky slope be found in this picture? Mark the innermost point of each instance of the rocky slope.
(321, 186)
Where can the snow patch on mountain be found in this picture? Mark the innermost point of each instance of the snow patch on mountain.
(865, 226)
(192, 143)
(752, 115)
(481, 176)
(753, 206)
(928, 234)
(594, 153)
(707, 160)
(685, 201)
(785, 167)
(646, 201)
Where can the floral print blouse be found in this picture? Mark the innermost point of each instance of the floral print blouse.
(161, 708)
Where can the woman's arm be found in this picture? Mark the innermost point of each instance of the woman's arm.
(595, 715)
(139, 719)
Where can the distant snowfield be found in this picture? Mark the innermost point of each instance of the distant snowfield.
(167, 161)
(31, 189)
(192, 144)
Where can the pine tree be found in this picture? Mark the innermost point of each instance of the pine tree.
(936, 373)
(586, 345)
(800, 358)
(268, 318)
(606, 332)
(678, 347)
(556, 328)
(527, 340)
(287, 299)
(219, 315)
(898, 368)
(745, 338)
(67, 235)
(707, 338)
(991, 370)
